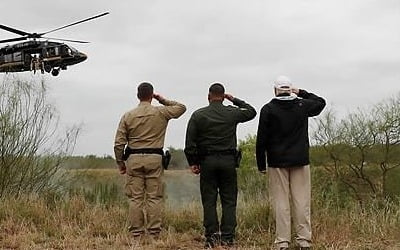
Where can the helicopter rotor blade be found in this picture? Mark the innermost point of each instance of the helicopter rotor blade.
(66, 40)
(69, 25)
(19, 32)
(13, 39)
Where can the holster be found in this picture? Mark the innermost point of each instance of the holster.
(127, 152)
(166, 158)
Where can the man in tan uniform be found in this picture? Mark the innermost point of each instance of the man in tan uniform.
(142, 130)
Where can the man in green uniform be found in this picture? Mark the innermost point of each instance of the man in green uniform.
(210, 148)
(142, 129)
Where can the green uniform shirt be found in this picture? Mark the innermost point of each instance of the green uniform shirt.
(213, 128)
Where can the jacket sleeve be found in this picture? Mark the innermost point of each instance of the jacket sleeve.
(121, 139)
(262, 140)
(315, 104)
(191, 150)
(172, 109)
(245, 112)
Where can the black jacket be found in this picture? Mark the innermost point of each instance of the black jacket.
(283, 130)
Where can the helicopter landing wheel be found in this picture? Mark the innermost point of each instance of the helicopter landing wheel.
(63, 67)
(55, 72)
(47, 68)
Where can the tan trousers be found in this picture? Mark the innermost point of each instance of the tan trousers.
(294, 183)
(144, 188)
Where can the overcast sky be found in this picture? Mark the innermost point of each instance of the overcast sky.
(347, 51)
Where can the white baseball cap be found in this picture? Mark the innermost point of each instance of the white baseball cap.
(283, 82)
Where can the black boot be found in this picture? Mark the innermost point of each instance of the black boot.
(212, 241)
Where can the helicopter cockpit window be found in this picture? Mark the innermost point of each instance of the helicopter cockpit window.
(66, 51)
(73, 49)
(52, 51)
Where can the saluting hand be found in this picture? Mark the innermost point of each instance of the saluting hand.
(158, 97)
(229, 97)
(195, 169)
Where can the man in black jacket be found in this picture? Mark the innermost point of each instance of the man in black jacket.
(283, 136)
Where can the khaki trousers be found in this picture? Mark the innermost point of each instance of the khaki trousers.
(294, 183)
(144, 188)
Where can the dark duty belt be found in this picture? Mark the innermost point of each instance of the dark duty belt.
(128, 151)
(218, 152)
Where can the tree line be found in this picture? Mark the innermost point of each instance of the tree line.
(359, 153)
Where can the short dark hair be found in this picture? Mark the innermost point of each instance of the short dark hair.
(145, 91)
(216, 89)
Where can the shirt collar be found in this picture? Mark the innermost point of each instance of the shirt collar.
(290, 97)
(215, 103)
(144, 103)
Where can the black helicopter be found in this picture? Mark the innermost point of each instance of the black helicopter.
(43, 56)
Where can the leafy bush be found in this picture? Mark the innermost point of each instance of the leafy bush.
(31, 151)
(362, 149)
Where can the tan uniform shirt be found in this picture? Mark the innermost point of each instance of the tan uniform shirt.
(145, 126)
